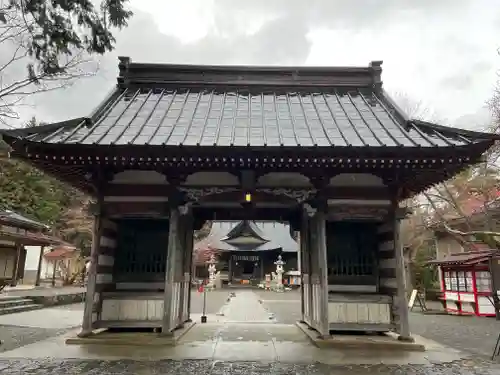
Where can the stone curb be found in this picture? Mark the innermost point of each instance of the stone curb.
(358, 343)
(102, 337)
(58, 299)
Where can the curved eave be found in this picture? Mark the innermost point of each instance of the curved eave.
(23, 146)
(72, 174)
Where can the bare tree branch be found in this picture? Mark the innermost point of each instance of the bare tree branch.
(35, 60)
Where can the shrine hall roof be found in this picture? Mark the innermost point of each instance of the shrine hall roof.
(185, 105)
(277, 236)
(14, 218)
(465, 258)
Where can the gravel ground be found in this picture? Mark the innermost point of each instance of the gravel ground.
(470, 334)
(13, 337)
(474, 335)
(52, 367)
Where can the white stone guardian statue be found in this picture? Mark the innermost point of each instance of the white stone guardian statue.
(211, 271)
(279, 274)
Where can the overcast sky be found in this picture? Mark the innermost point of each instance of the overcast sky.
(440, 52)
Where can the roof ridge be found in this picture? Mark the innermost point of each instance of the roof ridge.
(252, 75)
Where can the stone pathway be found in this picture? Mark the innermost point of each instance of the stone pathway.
(43, 291)
(245, 307)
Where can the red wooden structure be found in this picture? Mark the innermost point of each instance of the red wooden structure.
(466, 283)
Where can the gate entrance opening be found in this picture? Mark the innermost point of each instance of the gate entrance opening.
(324, 150)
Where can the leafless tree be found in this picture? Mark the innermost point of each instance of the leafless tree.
(466, 207)
(449, 205)
(20, 75)
(415, 109)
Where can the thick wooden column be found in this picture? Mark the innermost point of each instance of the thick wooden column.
(184, 265)
(402, 301)
(304, 275)
(172, 254)
(307, 269)
(319, 274)
(324, 328)
(188, 265)
(15, 274)
(92, 275)
(39, 267)
(180, 269)
(400, 298)
(315, 277)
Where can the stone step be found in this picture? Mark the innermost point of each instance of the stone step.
(14, 301)
(20, 308)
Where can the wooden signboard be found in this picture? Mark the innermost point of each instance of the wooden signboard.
(419, 297)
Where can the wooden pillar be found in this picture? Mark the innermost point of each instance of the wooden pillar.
(301, 254)
(184, 265)
(39, 267)
(315, 278)
(188, 264)
(402, 302)
(170, 272)
(319, 274)
(179, 270)
(15, 274)
(324, 329)
(92, 274)
(54, 270)
(230, 269)
(306, 270)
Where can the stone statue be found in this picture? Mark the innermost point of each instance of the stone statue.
(211, 271)
(279, 274)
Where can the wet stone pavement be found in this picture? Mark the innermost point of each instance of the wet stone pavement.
(170, 367)
(243, 323)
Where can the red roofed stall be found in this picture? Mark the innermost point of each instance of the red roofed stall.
(466, 282)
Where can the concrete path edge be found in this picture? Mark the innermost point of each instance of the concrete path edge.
(148, 339)
(357, 343)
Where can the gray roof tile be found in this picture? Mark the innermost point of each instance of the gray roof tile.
(172, 105)
(233, 118)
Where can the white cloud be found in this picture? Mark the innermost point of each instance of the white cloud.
(442, 53)
(447, 62)
(188, 21)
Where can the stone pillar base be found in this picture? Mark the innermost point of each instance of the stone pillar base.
(84, 333)
(166, 333)
(406, 338)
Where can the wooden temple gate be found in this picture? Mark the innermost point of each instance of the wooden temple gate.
(323, 148)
